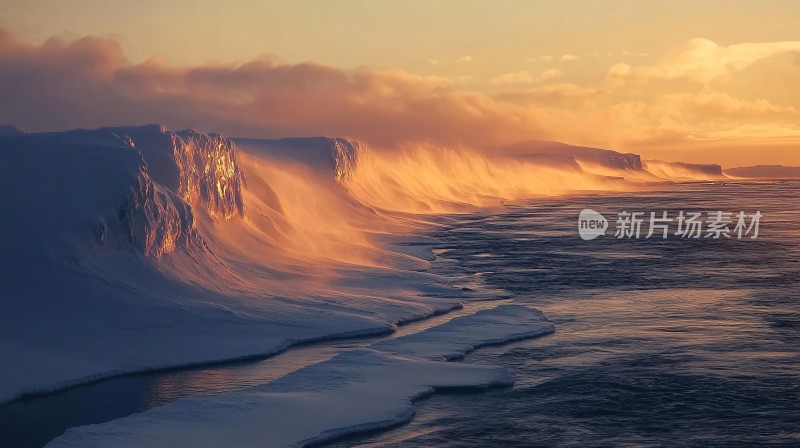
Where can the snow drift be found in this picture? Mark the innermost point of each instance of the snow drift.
(606, 162)
(153, 258)
(138, 248)
(160, 248)
(684, 171)
(592, 156)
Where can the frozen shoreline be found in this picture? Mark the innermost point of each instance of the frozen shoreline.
(157, 256)
(276, 351)
(357, 390)
(162, 249)
(165, 250)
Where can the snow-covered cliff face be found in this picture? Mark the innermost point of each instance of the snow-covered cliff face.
(178, 170)
(200, 168)
(605, 158)
(154, 219)
(85, 192)
(683, 171)
(613, 159)
(136, 185)
(209, 174)
(345, 156)
(334, 158)
(710, 169)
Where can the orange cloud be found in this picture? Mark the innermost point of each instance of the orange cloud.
(703, 60)
(89, 83)
(526, 77)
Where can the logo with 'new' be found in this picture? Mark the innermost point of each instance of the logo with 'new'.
(591, 224)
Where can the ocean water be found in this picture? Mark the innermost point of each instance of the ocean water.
(676, 342)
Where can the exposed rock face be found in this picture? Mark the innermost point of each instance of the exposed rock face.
(200, 168)
(155, 219)
(84, 188)
(345, 155)
(208, 173)
(630, 162)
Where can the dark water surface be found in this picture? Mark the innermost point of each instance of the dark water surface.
(658, 342)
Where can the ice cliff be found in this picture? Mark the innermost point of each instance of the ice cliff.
(338, 157)
(595, 156)
(200, 168)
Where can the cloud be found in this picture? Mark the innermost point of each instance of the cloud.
(628, 53)
(555, 95)
(545, 58)
(551, 74)
(461, 60)
(523, 77)
(711, 103)
(569, 57)
(465, 79)
(618, 74)
(703, 60)
(707, 115)
(526, 77)
(89, 83)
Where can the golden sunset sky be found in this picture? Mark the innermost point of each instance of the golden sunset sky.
(698, 81)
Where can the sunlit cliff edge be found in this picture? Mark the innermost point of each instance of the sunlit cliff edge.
(133, 248)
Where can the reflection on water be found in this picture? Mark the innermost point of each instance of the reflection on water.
(34, 422)
(658, 342)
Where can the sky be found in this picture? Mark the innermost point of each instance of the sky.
(699, 81)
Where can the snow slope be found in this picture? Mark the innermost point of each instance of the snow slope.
(684, 171)
(606, 162)
(592, 156)
(137, 248)
(140, 248)
(358, 390)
